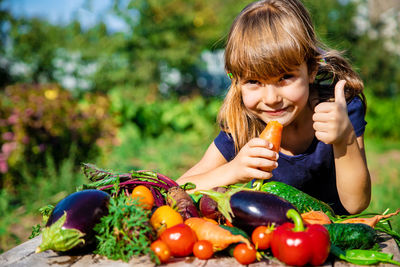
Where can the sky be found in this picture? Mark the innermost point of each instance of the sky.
(63, 11)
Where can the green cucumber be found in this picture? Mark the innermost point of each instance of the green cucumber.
(302, 201)
(352, 235)
(235, 230)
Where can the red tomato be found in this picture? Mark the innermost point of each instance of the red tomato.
(180, 239)
(244, 254)
(203, 249)
(143, 196)
(261, 237)
(161, 249)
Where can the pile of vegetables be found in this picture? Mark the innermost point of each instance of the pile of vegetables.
(125, 215)
(140, 213)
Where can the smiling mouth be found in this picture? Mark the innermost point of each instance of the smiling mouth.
(277, 112)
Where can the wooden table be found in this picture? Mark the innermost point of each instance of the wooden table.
(24, 255)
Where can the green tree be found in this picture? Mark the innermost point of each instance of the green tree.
(5, 77)
(173, 34)
(335, 24)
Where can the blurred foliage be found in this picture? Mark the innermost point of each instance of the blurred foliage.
(337, 25)
(168, 136)
(382, 116)
(383, 161)
(19, 208)
(40, 120)
(172, 34)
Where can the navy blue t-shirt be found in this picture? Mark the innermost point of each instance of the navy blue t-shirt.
(313, 171)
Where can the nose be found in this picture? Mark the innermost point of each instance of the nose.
(271, 95)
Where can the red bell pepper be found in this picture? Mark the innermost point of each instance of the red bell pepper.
(296, 245)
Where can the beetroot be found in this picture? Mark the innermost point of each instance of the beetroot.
(209, 207)
(177, 196)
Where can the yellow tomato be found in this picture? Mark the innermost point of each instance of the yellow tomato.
(165, 217)
(144, 196)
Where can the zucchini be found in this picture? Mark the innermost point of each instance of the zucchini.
(302, 201)
(352, 235)
(235, 230)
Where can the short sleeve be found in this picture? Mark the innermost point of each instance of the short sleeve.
(356, 111)
(225, 145)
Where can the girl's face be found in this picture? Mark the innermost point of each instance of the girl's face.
(280, 98)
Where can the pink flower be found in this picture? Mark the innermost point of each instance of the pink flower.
(42, 147)
(8, 148)
(13, 119)
(8, 136)
(3, 164)
(25, 139)
(29, 112)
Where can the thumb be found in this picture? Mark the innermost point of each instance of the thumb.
(339, 92)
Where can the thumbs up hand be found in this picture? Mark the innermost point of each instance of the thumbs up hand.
(331, 121)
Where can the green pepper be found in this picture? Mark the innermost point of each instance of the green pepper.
(363, 256)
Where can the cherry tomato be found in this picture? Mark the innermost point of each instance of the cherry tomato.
(244, 254)
(143, 196)
(203, 249)
(161, 249)
(165, 217)
(261, 237)
(180, 239)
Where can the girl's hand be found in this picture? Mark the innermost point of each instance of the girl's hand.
(255, 160)
(331, 122)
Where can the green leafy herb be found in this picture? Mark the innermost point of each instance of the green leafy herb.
(126, 231)
(46, 212)
(35, 231)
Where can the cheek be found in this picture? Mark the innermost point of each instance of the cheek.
(299, 94)
(250, 99)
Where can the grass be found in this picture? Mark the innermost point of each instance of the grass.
(384, 165)
(170, 154)
(19, 211)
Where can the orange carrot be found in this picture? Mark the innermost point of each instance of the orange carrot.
(273, 134)
(372, 221)
(210, 220)
(219, 237)
(315, 217)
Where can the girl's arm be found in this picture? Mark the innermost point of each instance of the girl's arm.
(352, 175)
(213, 169)
(332, 126)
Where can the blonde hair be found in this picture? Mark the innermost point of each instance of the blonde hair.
(267, 39)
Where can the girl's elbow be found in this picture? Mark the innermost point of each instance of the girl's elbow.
(359, 206)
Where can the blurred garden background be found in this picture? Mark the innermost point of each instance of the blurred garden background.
(138, 84)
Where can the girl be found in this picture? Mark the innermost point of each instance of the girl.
(280, 71)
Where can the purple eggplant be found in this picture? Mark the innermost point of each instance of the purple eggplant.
(247, 209)
(70, 225)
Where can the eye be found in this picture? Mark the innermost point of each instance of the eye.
(252, 82)
(286, 77)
